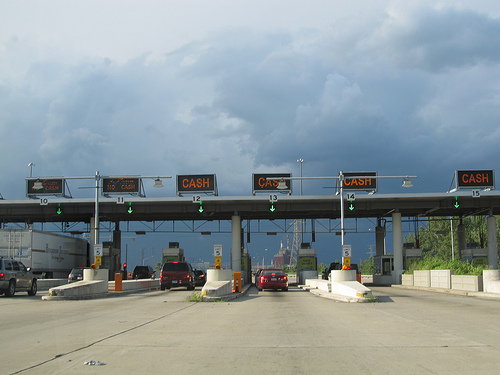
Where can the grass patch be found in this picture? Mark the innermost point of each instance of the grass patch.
(195, 297)
(458, 267)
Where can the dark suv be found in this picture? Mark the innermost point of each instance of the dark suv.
(174, 274)
(15, 277)
(143, 272)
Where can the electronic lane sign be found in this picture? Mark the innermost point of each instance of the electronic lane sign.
(261, 184)
(362, 181)
(199, 183)
(475, 179)
(45, 186)
(121, 185)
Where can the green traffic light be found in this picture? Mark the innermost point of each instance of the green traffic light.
(272, 208)
(456, 205)
(351, 207)
(200, 210)
(59, 211)
(130, 210)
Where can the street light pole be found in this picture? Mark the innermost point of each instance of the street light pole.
(96, 211)
(341, 184)
(301, 222)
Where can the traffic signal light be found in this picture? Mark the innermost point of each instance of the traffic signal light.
(125, 267)
(130, 210)
(351, 207)
(457, 204)
(200, 210)
(59, 211)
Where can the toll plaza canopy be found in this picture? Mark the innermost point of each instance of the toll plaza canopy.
(460, 203)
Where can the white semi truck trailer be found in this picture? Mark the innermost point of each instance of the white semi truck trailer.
(49, 255)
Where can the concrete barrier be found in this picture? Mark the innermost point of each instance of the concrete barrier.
(491, 281)
(216, 289)
(422, 278)
(80, 289)
(304, 275)
(467, 282)
(219, 275)
(407, 280)
(140, 284)
(46, 284)
(441, 279)
(318, 284)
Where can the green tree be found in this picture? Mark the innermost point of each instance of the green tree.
(366, 267)
(435, 238)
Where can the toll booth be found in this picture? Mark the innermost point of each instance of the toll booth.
(475, 254)
(246, 267)
(111, 259)
(383, 267)
(410, 255)
(307, 263)
(173, 253)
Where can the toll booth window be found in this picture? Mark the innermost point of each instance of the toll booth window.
(386, 267)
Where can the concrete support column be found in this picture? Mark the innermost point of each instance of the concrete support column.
(236, 243)
(380, 239)
(397, 241)
(117, 244)
(491, 224)
(462, 243)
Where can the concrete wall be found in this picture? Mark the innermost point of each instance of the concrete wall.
(491, 281)
(422, 278)
(441, 279)
(407, 280)
(467, 282)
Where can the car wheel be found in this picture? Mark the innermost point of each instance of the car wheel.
(34, 288)
(11, 290)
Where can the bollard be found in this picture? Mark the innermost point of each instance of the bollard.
(118, 282)
(237, 280)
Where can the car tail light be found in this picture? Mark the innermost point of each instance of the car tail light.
(284, 278)
(188, 276)
(2, 276)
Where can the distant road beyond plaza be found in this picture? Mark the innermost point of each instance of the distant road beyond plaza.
(294, 332)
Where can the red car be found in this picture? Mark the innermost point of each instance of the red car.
(175, 274)
(272, 279)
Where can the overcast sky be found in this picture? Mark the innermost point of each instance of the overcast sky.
(239, 87)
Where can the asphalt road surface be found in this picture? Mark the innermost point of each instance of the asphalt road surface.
(294, 332)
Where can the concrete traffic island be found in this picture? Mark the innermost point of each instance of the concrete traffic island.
(342, 286)
(219, 286)
(94, 284)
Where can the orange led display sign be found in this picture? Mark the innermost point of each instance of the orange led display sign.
(44, 186)
(475, 179)
(360, 181)
(261, 184)
(206, 183)
(120, 185)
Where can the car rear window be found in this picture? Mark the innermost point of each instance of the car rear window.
(274, 272)
(175, 267)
